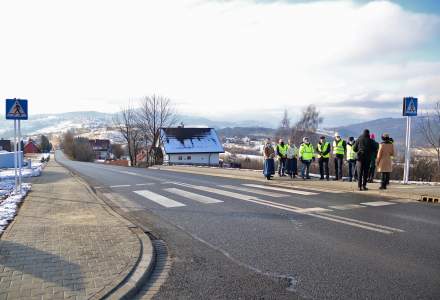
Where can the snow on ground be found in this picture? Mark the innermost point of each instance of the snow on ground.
(33, 172)
(10, 202)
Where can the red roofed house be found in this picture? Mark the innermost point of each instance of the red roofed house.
(31, 147)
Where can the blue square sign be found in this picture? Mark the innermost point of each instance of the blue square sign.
(16, 109)
(410, 106)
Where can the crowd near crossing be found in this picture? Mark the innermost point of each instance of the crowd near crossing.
(363, 155)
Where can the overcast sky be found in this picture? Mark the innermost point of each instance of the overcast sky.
(222, 59)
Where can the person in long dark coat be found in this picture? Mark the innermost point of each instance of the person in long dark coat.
(364, 147)
(269, 162)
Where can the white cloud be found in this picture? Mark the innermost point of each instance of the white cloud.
(216, 59)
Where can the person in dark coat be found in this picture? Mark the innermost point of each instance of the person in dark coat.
(372, 169)
(364, 148)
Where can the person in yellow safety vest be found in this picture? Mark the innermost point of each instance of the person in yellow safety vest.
(351, 159)
(281, 151)
(339, 149)
(306, 155)
(292, 159)
(323, 149)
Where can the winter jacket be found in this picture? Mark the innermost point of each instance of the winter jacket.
(292, 152)
(364, 147)
(384, 161)
(268, 152)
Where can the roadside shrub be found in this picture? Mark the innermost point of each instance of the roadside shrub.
(82, 151)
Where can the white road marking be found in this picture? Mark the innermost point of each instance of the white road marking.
(124, 203)
(312, 210)
(316, 189)
(363, 222)
(316, 212)
(193, 196)
(98, 187)
(129, 173)
(159, 199)
(403, 201)
(142, 184)
(120, 185)
(377, 203)
(347, 206)
(254, 191)
(284, 190)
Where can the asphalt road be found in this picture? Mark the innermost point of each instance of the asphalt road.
(235, 239)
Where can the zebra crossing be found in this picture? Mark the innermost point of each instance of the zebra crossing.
(246, 192)
(251, 193)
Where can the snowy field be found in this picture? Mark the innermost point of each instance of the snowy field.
(7, 174)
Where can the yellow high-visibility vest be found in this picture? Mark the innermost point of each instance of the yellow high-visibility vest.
(351, 154)
(323, 148)
(282, 149)
(338, 147)
(306, 151)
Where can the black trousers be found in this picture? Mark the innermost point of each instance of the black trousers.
(323, 167)
(363, 166)
(339, 160)
(385, 179)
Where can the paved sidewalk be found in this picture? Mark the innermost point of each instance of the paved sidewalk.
(412, 191)
(64, 243)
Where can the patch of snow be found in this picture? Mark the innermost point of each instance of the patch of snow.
(8, 206)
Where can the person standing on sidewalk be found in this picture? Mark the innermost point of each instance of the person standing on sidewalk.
(269, 163)
(364, 147)
(339, 149)
(351, 159)
(281, 151)
(372, 169)
(384, 160)
(323, 150)
(306, 155)
(292, 159)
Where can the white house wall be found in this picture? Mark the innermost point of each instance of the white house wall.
(196, 159)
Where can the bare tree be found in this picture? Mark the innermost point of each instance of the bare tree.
(429, 126)
(117, 150)
(307, 124)
(156, 112)
(127, 124)
(284, 129)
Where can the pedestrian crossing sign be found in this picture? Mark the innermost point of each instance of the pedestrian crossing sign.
(16, 109)
(410, 106)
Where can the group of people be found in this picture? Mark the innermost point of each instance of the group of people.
(363, 155)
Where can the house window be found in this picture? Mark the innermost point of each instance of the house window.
(188, 157)
(180, 157)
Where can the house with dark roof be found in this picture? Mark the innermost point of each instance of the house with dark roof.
(101, 148)
(5, 145)
(190, 146)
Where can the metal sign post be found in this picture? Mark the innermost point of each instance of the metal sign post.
(409, 110)
(17, 109)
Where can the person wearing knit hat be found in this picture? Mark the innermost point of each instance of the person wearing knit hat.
(351, 159)
(339, 151)
(323, 149)
(306, 156)
(363, 147)
(384, 160)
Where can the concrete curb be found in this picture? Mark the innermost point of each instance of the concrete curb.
(131, 284)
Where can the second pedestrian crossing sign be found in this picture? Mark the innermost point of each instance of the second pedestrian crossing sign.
(410, 106)
(16, 109)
